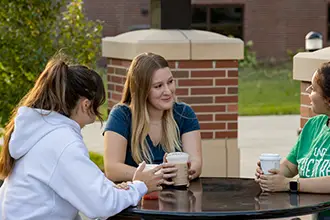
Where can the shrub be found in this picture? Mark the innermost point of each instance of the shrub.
(30, 34)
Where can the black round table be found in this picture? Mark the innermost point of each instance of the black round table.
(223, 198)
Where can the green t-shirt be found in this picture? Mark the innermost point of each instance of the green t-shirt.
(311, 153)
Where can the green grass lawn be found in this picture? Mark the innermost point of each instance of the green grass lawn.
(268, 90)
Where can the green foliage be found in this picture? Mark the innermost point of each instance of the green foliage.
(80, 37)
(97, 159)
(30, 34)
(250, 58)
(291, 53)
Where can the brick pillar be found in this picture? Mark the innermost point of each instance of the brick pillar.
(304, 66)
(306, 111)
(210, 86)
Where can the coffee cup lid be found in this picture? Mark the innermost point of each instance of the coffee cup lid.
(270, 156)
(177, 157)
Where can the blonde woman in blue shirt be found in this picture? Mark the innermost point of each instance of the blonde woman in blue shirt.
(148, 123)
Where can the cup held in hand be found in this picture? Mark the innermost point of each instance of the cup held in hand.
(269, 161)
(180, 159)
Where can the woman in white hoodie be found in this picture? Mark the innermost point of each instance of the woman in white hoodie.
(44, 162)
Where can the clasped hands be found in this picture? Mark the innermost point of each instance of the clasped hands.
(168, 172)
(273, 182)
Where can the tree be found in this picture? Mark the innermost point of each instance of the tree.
(31, 31)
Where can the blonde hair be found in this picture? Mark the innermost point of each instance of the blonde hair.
(135, 95)
(58, 88)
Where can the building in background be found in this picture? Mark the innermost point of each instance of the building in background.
(274, 26)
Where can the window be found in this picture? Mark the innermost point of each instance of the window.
(226, 20)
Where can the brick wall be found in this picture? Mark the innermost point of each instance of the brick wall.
(305, 106)
(282, 24)
(210, 87)
(118, 15)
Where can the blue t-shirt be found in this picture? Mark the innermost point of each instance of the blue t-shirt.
(120, 121)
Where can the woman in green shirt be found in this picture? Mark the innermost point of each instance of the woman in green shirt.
(307, 166)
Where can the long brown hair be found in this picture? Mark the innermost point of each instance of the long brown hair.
(58, 89)
(135, 95)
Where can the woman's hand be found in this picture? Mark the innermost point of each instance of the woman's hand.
(258, 172)
(191, 172)
(274, 182)
(152, 180)
(169, 170)
(123, 185)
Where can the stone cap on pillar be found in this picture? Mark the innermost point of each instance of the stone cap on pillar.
(305, 63)
(174, 45)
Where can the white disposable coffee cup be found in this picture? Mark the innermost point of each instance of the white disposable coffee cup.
(180, 159)
(177, 157)
(269, 161)
(150, 167)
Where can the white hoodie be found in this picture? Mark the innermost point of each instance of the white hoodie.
(53, 176)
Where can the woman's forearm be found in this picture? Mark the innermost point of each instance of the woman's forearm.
(119, 172)
(315, 185)
(287, 170)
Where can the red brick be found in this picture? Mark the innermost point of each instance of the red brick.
(226, 64)
(226, 117)
(225, 82)
(205, 117)
(111, 70)
(226, 99)
(115, 62)
(195, 82)
(226, 134)
(303, 122)
(212, 125)
(207, 91)
(126, 63)
(305, 111)
(117, 79)
(209, 108)
(304, 99)
(232, 126)
(181, 91)
(304, 85)
(207, 135)
(180, 74)
(111, 86)
(111, 103)
(232, 90)
(232, 108)
(116, 96)
(193, 64)
(232, 73)
(119, 88)
(118, 62)
(120, 71)
(196, 99)
(208, 73)
(171, 64)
